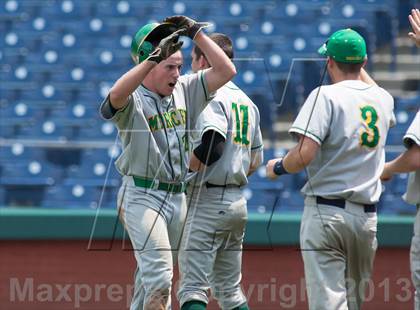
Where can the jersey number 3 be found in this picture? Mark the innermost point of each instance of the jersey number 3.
(370, 135)
(241, 124)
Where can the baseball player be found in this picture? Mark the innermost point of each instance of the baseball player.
(154, 108)
(341, 130)
(228, 147)
(409, 161)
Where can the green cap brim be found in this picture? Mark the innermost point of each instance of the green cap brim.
(323, 50)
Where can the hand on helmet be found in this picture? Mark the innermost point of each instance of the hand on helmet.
(167, 47)
(191, 26)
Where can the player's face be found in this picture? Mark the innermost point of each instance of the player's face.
(166, 73)
(198, 63)
(195, 64)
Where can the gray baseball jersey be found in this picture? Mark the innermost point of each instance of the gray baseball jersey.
(411, 138)
(154, 137)
(237, 119)
(211, 248)
(154, 130)
(350, 121)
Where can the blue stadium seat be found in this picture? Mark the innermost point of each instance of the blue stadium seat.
(7, 131)
(66, 10)
(2, 197)
(96, 168)
(75, 115)
(103, 131)
(292, 12)
(17, 152)
(407, 104)
(108, 197)
(260, 201)
(398, 184)
(258, 182)
(404, 119)
(20, 112)
(48, 129)
(60, 58)
(99, 173)
(11, 7)
(394, 204)
(30, 172)
(22, 195)
(200, 10)
(71, 196)
(290, 201)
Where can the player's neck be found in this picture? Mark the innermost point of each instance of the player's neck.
(340, 77)
(149, 85)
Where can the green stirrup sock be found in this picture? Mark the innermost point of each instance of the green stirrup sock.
(242, 307)
(194, 305)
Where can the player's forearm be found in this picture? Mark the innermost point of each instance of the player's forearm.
(293, 162)
(222, 68)
(128, 83)
(195, 164)
(300, 156)
(407, 162)
(366, 77)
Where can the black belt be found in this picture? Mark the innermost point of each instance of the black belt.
(341, 203)
(209, 185)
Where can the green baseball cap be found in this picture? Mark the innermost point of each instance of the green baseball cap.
(147, 38)
(345, 45)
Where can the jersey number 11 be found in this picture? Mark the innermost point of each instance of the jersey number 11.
(241, 124)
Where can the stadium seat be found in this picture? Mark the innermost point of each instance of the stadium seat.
(17, 152)
(71, 196)
(394, 204)
(59, 58)
(407, 104)
(29, 173)
(2, 197)
(98, 173)
(47, 130)
(260, 201)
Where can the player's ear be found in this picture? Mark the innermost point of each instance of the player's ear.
(203, 62)
(330, 63)
(364, 62)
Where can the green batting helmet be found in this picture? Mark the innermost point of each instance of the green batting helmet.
(147, 38)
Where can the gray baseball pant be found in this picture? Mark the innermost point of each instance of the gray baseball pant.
(338, 249)
(211, 250)
(415, 260)
(154, 220)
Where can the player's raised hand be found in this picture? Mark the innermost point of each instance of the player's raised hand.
(414, 19)
(191, 26)
(167, 47)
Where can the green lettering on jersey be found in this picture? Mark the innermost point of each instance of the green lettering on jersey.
(241, 124)
(245, 123)
(174, 118)
(370, 136)
(153, 123)
(183, 114)
(168, 120)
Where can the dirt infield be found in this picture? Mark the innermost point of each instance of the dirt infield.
(50, 275)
